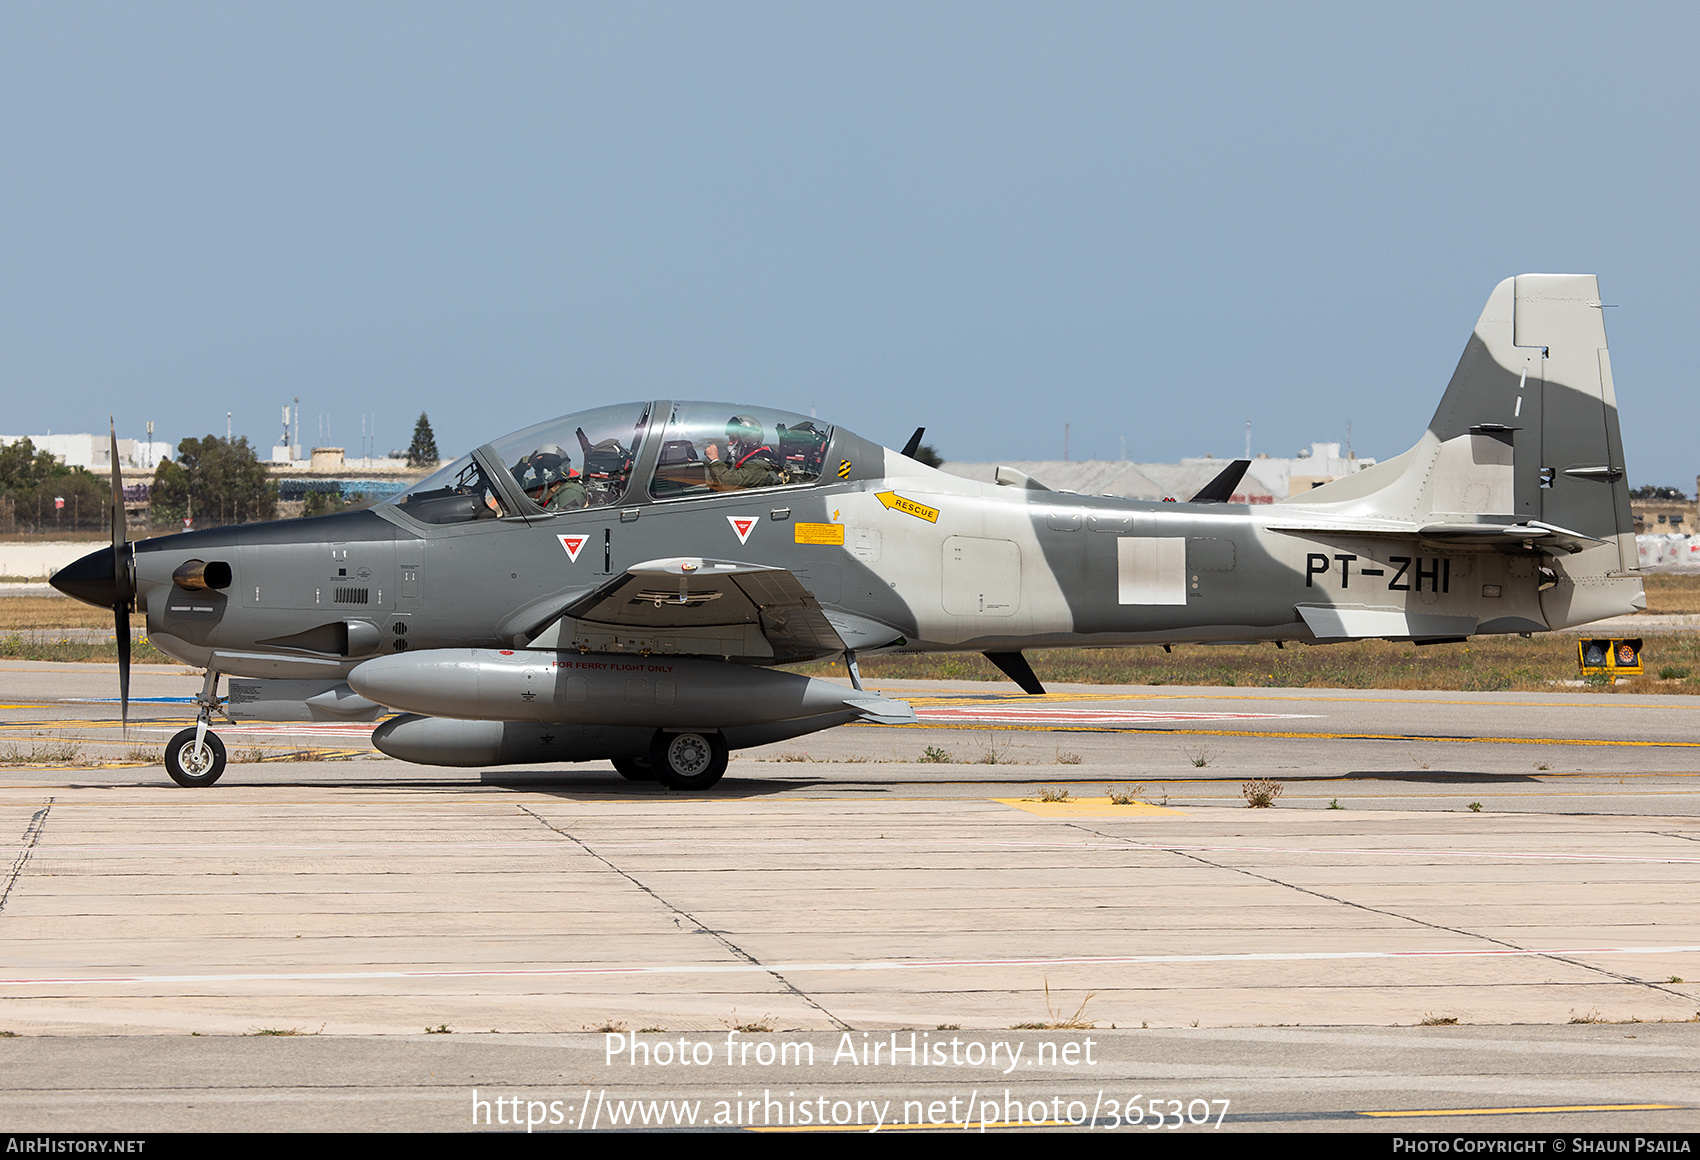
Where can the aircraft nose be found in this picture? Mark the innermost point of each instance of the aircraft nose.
(89, 579)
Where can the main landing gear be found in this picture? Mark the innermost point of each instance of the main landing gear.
(687, 760)
(195, 756)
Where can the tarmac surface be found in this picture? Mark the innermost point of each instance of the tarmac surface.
(269, 952)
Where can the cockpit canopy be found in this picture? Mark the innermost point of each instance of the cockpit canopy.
(613, 455)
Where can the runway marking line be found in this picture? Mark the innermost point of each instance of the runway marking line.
(803, 968)
(1533, 1111)
(1291, 735)
(1108, 843)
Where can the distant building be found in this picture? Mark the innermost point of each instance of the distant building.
(1655, 517)
(328, 471)
(94, 452)
(1265, 481)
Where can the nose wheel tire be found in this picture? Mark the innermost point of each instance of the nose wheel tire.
(194, 766)
(691, 761)
(633, 768)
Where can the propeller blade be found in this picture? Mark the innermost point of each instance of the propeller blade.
(121, 630)
(123, 588)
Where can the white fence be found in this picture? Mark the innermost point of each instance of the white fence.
(1669, 553)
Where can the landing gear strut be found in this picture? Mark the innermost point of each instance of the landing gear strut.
(195, 757)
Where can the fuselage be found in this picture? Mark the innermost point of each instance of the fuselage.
(898, 555)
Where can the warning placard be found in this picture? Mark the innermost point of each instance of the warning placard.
(818, 533)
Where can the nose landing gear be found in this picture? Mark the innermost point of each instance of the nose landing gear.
(195, 757)
(193, 760)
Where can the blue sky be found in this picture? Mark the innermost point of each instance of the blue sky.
(1151, 222)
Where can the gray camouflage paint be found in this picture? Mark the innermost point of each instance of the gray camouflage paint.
(1527, 430)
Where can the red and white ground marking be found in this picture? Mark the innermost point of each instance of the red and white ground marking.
(332, 731)
(1057, 715)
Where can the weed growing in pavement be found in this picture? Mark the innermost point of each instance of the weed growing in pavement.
(1261, 793)
(765, 1023)
(1058, 1020)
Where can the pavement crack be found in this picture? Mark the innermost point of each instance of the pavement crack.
(32, 835)
(1622, 978)
(683, 917)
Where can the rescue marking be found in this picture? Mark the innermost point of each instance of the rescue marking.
(742, 526)
(573, 544)
(908, 506)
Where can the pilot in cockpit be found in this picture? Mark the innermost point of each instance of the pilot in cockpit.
(748, 463)
(547, 476)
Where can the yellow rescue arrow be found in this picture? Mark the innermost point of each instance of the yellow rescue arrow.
(908, 506)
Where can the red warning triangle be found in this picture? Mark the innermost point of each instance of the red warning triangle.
(743, 526)
(573, 544)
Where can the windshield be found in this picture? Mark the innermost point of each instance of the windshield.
(578, 461)
(453, 495)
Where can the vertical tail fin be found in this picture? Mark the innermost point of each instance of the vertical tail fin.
(1527, 432)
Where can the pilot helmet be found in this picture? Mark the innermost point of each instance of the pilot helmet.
(551, 462)
(743, 429)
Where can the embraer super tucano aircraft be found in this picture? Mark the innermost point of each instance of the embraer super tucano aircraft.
(623, 584)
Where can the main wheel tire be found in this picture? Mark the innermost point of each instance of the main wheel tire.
(191, 767)
(633, 768)
(687, 760)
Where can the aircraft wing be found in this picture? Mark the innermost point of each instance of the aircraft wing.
(687, 605)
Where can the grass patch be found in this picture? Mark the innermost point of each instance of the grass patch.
(1484, 664)
(1126, 795)
(42, 753)
(1669, 593)
(1055, 794)
(16, 646)
(1261, 793)
(933, 755)
(1439, 1020)
(19, 612)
